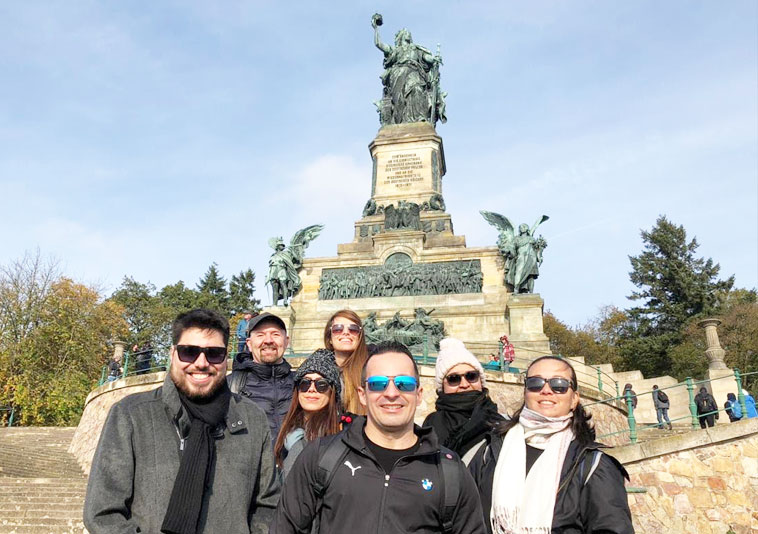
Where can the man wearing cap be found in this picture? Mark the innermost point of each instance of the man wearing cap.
(382, 474)
(189, 456)
(262, 374)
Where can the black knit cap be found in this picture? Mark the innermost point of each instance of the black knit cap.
(322, 362)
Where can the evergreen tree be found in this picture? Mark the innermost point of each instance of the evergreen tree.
(212, 291)
(675, 287)
(242, 293)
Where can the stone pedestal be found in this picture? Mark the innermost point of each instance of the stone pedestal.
(523, 312)
(714, 352)
(118, 350)
(409, 163)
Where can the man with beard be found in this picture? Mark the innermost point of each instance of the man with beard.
(262, 375)
(187, 457)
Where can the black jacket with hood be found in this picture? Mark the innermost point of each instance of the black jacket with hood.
(269, 386)
(599, 505)
(363, 498)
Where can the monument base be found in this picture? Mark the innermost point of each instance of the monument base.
(523, 312)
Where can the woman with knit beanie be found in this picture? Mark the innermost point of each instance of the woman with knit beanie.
(543, 472)
(315, 408)
(465, 413)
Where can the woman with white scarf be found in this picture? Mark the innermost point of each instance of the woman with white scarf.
(543, 472)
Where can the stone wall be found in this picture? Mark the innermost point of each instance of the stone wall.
(702, 482)
(96, 409)
(506, 389)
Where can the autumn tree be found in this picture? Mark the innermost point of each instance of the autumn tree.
(57, 341)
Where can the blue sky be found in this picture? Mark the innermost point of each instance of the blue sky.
(152, 138)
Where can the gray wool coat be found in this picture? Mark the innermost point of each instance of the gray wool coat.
(138, 456)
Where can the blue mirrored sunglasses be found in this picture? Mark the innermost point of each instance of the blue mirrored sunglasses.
(403, 383)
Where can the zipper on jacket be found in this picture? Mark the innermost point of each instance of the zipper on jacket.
(178, 433)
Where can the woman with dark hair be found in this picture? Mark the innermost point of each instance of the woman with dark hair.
(314, 411)
(344, 336)
(464, 414)
(543, 471)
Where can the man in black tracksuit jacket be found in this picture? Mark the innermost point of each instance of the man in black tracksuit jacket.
(390, 479)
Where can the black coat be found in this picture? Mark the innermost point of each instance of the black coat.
(269, 386)
(363, 498)
(600, 505)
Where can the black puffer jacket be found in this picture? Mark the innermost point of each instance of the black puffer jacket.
(269, 386)
(363, 498)
(600, 505)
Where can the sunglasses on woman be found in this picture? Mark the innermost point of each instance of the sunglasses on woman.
(403, 383)
(558, 385)
(353, 329)
(305, 384)
(454, 379)
(190, 353)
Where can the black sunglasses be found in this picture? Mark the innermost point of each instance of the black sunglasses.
(190, 353)
(454, 379)
(558, 385)
(305, 384)
(351, 328)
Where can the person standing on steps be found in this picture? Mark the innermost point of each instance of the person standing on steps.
(661, 403)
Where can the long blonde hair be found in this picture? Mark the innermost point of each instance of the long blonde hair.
(352, 366)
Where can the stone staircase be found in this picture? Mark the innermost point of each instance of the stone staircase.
(652, 433)
(41, 486)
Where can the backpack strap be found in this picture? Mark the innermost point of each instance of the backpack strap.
(335, 452)
(595, 462)
(451, 481)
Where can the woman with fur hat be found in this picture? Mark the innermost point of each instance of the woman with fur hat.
(465, 413)
(314, 411)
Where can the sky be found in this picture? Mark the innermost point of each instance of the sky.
(150, 139)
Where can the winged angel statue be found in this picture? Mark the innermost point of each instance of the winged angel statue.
(522, 252)
(285, 263)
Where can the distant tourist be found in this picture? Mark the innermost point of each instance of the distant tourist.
(344, 335)
(187, 457)
(732, 408)
(661, 403)
(750, 410)
(114, 368)
(707, 409)
(464, 414)
(143, 357)
(315, 408)
(543, 471)
(628, 389)
(242, 330)
(262, 375)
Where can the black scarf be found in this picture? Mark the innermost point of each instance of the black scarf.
(193, 478)
(463, 419)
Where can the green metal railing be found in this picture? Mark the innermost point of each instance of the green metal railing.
(11, 410)
(693, 417)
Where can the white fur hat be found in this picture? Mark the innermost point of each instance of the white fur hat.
(453, 352)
